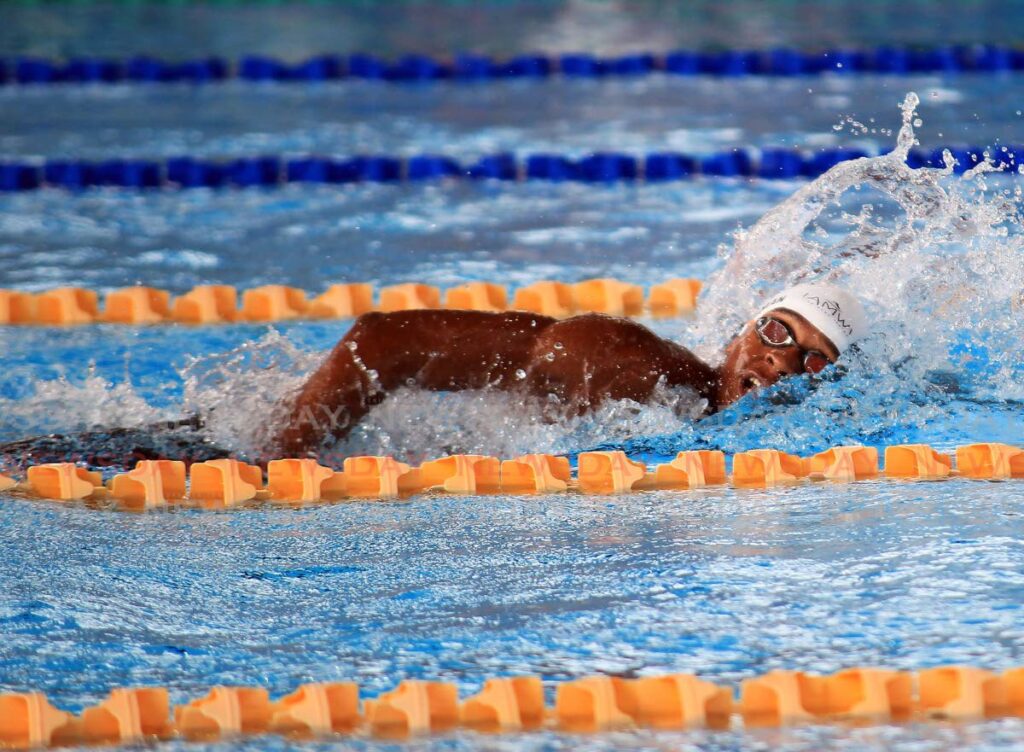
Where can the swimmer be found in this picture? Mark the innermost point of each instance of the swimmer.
(574, 363)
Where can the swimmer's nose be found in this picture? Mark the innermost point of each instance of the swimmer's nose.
(779, 367)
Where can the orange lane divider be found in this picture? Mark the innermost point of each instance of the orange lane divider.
(150, 483)
(342, 302)
(608, 472)
(128, 716)
(990, 461)
(862, 695)
(64, 481)
(304, 480)
(675, 297)
(273, 303)
(790, 697)
(136, 305)
(477, 296)
(960, 692)
(916, 461)
(608, 296)
(206, 304)
(414, 708)
(590, 704)
(224, 713)
(380, 478)
(16, 307)
(535, 473)
(764, 468)
(675, 701)
(28, 720)
(844, 463)
(505, 705)
(545, 298)
(463, 474)
(66, 306)
(228, 482)
(695, 469)
(317, 710)
(219, 304)
(409, 297)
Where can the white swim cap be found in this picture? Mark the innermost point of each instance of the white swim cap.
(832, 310)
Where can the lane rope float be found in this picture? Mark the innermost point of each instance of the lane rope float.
(474, 68)
(591, 704)
(219, 304)
(224, 483)
(598, 168)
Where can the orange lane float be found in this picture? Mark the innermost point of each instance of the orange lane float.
(380, 478)
(150, 483)
(28, 720)
(409, 297)
(990, 461)
(675, 297)
(608, 472)
(128, 716)
(535, 473)
(342, 301)
(463, 474)
(695, 469)
(273, 303)
(764, 468)
(303, 480)
(505, 705)
(16, 307)
(477, 296)
(64, 481)
(317, 710)
(413, 708)
(227, 482)
(545, 298)
(590, 704)
(206, 304)
(674, 701)
(961, 692)
(844, 463)
(136, 305)
(863, 695)
(610, 296)
(781, 698)
(66, 306)
(224, 713)
(916, 461)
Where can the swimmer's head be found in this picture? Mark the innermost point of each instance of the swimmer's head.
(801, 330)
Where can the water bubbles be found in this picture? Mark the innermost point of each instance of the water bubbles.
(918, 122)
(558, 345)
(549, 357)
(520, 374)
(410, 382)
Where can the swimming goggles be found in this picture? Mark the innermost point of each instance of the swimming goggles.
(775, 333)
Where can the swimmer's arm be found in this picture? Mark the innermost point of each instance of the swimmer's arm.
(436, 350)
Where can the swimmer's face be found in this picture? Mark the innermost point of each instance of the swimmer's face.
(751, 361)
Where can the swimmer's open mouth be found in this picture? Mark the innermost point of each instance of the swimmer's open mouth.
(751, 380)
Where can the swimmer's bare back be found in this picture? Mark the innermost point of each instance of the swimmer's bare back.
(577, 362)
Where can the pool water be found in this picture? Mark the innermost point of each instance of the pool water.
(728, 584)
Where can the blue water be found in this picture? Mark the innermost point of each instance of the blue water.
(724, 583)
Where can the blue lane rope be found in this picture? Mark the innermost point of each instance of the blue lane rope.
(468, 67)
(602, 167)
